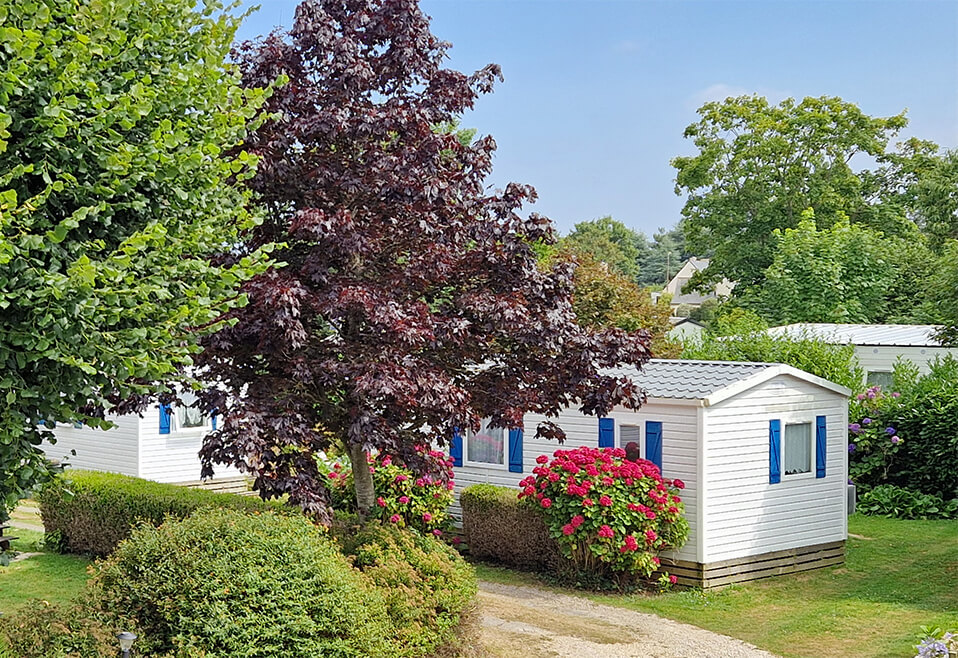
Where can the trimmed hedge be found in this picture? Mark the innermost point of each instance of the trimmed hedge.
(89, 512)
(228, 583)
(43, 630)
(501, 528)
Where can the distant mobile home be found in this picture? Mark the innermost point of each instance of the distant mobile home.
(878, 346)
(163, 445)
(762, 449)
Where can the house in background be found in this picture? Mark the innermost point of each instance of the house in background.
(685, 329)
(762, 449)
(878, 346)
(163, 445)
(682, 277)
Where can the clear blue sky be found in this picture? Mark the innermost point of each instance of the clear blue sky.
(597, 93)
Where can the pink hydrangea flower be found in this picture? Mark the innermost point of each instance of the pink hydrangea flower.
(545, 502)
(568, 529)
(605, 501)
(394, 518)
(606, 531)
(404, 499)
(381, 501)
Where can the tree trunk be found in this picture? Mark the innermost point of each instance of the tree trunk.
(363, 481)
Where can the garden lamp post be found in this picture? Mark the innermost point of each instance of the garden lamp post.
(126, 641)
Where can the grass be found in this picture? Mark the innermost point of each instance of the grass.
(899, 575)
(49, 577)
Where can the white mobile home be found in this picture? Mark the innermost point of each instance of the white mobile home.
(762, 449)
(877, 346)
(162, 445)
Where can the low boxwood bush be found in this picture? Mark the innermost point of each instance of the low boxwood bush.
(428, 588)
(91, 512)
(897, 503)
(501, 528)
(230, 583)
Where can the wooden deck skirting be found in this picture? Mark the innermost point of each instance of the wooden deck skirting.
(753, 567)
(238, 485)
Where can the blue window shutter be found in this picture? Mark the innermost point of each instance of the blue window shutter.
(774, 451)
(820, 445)
(515, 451)
(455, 449)
(606, 432)
(165, 411)
(653, 442)
(213, 418)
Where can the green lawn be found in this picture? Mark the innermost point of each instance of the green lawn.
(899, 576)
(50, 577)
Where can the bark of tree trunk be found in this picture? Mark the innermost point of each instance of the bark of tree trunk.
(363, 480)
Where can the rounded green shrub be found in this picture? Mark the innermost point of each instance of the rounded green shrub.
(42, 630)
(429, 589)
(237, 584)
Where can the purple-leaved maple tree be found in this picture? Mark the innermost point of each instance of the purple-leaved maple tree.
(408, 300)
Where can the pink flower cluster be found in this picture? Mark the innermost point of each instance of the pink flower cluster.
(599, 503)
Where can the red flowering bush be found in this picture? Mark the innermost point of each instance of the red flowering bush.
(607, 513)
(403, 498)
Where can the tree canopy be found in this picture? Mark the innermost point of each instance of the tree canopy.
(410, 301)
(115, 124)
(760, 166)
(611, 242)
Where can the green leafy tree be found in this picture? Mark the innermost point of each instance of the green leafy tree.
(942, 291)
(759, 166)
(838, 274)
(611, 242)
(604, 299)
(116, 119)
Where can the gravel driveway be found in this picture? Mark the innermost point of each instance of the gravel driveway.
(534, 623)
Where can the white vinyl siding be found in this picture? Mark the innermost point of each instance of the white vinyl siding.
(745, 515)
(174, 457)
(883, 358)
(679, 440)
(115, 450)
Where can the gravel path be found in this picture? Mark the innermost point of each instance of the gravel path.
(536, 623)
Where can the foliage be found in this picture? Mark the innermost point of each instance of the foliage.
(836, 363)
(44, 630)
(410, 302)
(937, 643)
(941, 289)
(606, 512)
(501, 528)
(92, 512)
(663, 257)
(928, 459)
(759, 166)
(427, 586)
(608, 241)
(119, 127)
(837, 274)
(873, 440)
(604, 298)
(897, 503)
(235, 584)
(405, 499)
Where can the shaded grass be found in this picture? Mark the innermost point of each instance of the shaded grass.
(903, 576)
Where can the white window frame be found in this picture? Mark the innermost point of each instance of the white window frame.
(640, 426)
(799, 419)
(504, 466)
(175, 427)
(891, 373)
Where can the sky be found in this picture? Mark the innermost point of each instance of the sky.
(597, 93)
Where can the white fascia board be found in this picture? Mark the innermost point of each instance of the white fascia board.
(770, 373)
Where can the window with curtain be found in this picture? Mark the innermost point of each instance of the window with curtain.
(487, 446)
(188, 416)
(798, 448)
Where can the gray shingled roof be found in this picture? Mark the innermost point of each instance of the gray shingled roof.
(688, 380)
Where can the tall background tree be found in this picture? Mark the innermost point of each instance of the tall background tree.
(760, 166)
(114, 121)
(411, 301)
(611, 242)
